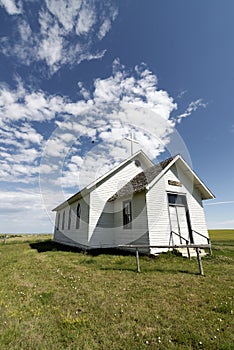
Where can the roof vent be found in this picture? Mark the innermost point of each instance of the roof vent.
(137, 163)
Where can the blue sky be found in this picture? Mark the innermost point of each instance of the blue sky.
(77, 76)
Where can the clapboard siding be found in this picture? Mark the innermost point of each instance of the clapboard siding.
(101, 223)
(79, 236)
(103, 234)
(139, 230)
(194, 201)
(158, 216)
(157, 208)
(100, 195)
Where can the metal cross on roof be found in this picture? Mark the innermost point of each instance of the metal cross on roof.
(132, 140)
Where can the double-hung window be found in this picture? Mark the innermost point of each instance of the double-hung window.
(58, 221)
(127, 214)
(78, 213)
(69, 219)
(63, 221)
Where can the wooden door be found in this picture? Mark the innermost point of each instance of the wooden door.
(179, 224)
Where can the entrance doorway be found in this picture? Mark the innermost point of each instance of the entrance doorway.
(179, 217)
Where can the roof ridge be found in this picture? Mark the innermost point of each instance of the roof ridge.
(141, 180)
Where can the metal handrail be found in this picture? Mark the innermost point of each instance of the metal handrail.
(194, 246)
(208, 239)
(177, 234)
(200, 234)
(187, 242)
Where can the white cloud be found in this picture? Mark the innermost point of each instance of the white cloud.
(11, 7)
(90, 133)
(65, 11)
(120, 103)
(182, 93)
(219, 203)
(22, 104)
(67, 34)
(23, 211)
(117, 104)
(223, 224)
(107, 22)
(86, 19)
(51, 46)
(193, 106)
(104, 29)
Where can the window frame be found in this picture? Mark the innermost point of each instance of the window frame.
(63, 220)
(78, 216)
(127, 216)
(69, 219)
(58, 221)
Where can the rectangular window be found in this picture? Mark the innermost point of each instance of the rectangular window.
(63, 222)
(58, 221)
(127, 214)
(78, 213)
(176, 199)
(69, 219)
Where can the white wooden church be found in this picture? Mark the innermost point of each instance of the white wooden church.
(137, 202)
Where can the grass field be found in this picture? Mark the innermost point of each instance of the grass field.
(53, 298)
(221, 235)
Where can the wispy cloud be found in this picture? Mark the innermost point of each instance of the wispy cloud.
(219, 203)
(23, 211)
(11, 7)
(68, 32)
(222, 224)
(181, 94)
(89, 133)
(123, 101)
(193, 106)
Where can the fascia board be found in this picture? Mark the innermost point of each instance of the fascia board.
(210, 195)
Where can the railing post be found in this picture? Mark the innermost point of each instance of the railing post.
(210, 249)
(188, 251)
(199, 262)
(137, 261)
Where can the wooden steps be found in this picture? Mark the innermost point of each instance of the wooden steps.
(192, 251)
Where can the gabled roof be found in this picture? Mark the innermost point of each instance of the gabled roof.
(102, 178)
(113, 170)
(140, 181)
(149, 177)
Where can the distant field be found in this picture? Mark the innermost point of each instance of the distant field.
(56, 298)
(221, 235)
(24, 237)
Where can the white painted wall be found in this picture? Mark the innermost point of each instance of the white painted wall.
(103, 235)
(158, 213)
(100, 195)
(158, 216)
(139, 230)
(74, 236)
(196, 211)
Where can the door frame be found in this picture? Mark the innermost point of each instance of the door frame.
(185, 205)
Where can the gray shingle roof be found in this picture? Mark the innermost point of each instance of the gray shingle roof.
(140, 181)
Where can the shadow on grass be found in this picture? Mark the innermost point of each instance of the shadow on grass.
(51, 246)
(150, 270)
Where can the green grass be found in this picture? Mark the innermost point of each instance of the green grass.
(221, 235)
(53, 298)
